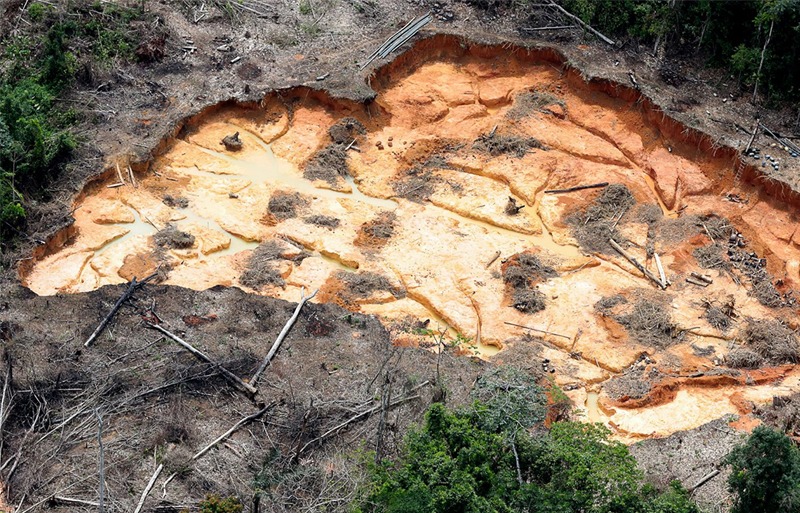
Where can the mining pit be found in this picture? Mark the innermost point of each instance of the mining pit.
(432, 207)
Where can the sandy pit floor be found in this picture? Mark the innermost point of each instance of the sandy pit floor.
(430, 209)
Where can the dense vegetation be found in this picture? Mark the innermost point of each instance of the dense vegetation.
(728, 34)
(765, 473)
(496, 456)
(485, 459)
(37, 65)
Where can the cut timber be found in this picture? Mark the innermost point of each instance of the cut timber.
(702, 277)
(697, 282)
(577, 188)
(636, 264)
(660, 270)
(282, 335)
(125, 296)
(231, 377)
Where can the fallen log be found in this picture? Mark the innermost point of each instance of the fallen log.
(702, 277)
(226, 434)
(223, 436)
(708, 477)
(538, 330)
(69, 501)
(577, 188)
(697, 282)
(636, 264)
(125, 296)
(282, 335)
(660, 268)
(582, 23)
(540, 29)
(235, 380)
(148, 488)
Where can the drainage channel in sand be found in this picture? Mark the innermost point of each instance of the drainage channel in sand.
(409, 209)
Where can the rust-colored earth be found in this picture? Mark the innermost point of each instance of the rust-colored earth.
(408, 208)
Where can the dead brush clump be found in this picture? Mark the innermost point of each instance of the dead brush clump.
(328, 164)
(632, 384)
(363, 284)
(650, 324)
(783, 414)
(773, 340)
(718, 318)
(175, 202)
(321, 220)
(495, 144)
(261, 269)
(594, 226)
(345, 130)
(377, 232)
(743, 358)
(415, 184)
(521, 274)
(173, 238)
(285, 205)
(712, 256)
(533, 101)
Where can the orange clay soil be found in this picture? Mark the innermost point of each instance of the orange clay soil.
(414, 225)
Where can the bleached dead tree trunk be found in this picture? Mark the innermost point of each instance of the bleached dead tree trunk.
(761, 62)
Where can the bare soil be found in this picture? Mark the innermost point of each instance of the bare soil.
(158, 404)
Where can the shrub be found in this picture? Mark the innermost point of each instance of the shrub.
(217, 504)
(457, 462)
(765, 474)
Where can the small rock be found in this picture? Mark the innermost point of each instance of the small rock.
(232, 142)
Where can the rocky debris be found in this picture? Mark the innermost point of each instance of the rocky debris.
(597, 224)
(232, 142)
(175, 202)
(512, 208)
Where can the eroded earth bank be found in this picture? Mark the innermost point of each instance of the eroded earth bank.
(441, 205)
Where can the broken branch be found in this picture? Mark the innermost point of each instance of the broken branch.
(660, 270)
(147, 489)
(125, 296)
(282, 335)
(235, 380)
(538, 330)
(361, 415)
(577, 188)
(582, 23)
(636, 264)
